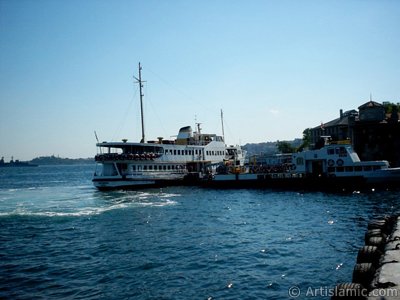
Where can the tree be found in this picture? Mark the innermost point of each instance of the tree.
(306, 139)
(285, 147)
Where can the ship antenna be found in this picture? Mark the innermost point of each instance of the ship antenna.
(222, 122)
(140, 81)
(198, 128)
(95, 134)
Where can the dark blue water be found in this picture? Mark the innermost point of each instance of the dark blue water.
(62, 239)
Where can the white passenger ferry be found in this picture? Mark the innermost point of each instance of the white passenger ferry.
(338, 159)
(334, 166)
(129, 165)
(162, 162)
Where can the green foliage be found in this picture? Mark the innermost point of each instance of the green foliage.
(285, 147)
(390, 107)
(306, 140)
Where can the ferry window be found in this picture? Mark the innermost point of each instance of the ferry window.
(174, 152)
(133, 168)
(179, 152)
(166, 151)
(169, 167)
(186, 152)
(164, 168)
(145, 168)
(150, 167)
(339, 169)
(196, 152)
(160, 168)
(367, 168)
(358, 169)
(331, 151)
(173, 167)
(348, 169)
(337, 150)
(342, 150)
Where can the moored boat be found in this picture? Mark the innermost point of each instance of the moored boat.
(157, 163)
(334, 166)
(184, 160)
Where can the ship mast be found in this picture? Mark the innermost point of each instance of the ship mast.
(222, 122)
(139, 80)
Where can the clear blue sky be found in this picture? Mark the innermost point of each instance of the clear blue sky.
(274, 67)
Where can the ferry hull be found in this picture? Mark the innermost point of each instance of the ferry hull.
(135, 184)
(289, 183)
(107, 184)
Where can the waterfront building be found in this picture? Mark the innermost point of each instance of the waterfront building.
(373, 133)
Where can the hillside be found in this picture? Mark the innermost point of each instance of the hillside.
(267, 147)
(53, 160)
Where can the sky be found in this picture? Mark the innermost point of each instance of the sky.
(275, 68)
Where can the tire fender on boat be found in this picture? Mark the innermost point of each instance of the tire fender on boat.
(331, 162)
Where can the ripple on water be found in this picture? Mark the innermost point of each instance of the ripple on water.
(67, 240)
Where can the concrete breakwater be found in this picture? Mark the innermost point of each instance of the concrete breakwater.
(376, 274)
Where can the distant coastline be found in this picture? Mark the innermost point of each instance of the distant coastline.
(54, 160)
(251, 148)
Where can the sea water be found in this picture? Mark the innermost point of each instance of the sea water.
(60, 238)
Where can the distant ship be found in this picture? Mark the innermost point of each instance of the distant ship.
(15, 163)
(127, 165)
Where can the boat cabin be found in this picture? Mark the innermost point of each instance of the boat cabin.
(334, 159)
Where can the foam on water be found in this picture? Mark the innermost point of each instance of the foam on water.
(81, 200)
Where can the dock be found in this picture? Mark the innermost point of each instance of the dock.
(376, 275)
